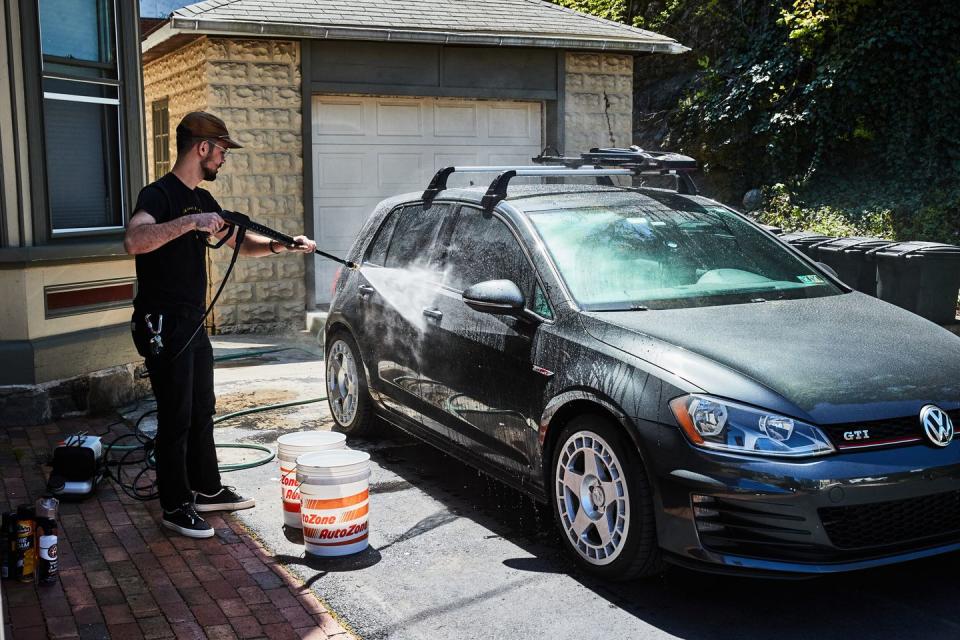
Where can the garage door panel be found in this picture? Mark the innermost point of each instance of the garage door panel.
(338, 118)
(455, 119)
(367, 149)
(399, 119)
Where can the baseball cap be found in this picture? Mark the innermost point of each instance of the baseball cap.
(200, 124)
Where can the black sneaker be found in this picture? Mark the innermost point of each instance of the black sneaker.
(224, 500)
(186, 521)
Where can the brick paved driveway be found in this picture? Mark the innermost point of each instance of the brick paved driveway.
(123, 576)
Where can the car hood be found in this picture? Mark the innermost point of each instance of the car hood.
(833, 359)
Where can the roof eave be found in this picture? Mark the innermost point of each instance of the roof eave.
(180, 25)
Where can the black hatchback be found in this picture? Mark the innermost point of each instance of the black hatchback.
(676, 382)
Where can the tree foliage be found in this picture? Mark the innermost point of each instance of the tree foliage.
(852, 106)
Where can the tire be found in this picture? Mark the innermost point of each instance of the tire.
(611, 538)
(347, 394)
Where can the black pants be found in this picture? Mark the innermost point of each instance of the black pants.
(183, 387)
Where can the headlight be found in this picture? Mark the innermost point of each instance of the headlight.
(728, 426)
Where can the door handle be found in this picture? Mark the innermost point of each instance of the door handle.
(433, 314)
(364, 291)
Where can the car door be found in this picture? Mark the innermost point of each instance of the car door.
(478, 377)
(395, 284)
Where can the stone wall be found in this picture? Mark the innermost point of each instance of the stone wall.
(254, 86)
(598, 102)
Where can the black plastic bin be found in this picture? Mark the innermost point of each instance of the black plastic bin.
(806, 241)
(853, 260)
(923, 277)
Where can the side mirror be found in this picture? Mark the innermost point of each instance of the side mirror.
(499, 297)
(829, 269)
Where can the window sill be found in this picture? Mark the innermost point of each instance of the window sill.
(12, 257)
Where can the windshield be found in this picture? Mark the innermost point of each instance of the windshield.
(646, 255)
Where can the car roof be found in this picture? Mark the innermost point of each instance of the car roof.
(540, 197)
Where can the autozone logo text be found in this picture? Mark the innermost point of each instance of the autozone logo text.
(345, 532)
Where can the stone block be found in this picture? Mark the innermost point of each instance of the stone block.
(269, 118)
(224, 315)
(583, 62)
(291, 314)
(252, 185)
(237, 292)
(273, 162)
(141, 380)
(110, 388)
(218, 95)
(24, 405)
(288, 184)
(234, 117)
(224, 72)
(270, 73)
(239, 161)
(67, 396)
(216, 49)
(616, 64)
(286, 96)
(254, 270)
(256, 313)
(251, 50)
(286, 52)
(290, 267)
(276, 291)
(251, 96)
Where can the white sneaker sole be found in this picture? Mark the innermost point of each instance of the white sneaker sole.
(190, 533)
(249, 503)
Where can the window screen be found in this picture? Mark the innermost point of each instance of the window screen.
(82, 114)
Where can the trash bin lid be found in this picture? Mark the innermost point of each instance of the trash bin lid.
(804, 238)
(921, 248)
(857, 244)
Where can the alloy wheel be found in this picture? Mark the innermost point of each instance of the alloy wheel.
(592, 498)
(342, 384)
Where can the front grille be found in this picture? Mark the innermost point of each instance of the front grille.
(878, 433)
(890, 523)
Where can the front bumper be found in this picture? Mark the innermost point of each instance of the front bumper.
(837, 513)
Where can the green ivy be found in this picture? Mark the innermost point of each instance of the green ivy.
(846, 111)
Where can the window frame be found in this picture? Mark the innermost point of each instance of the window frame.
(128, 164)
(161, 140)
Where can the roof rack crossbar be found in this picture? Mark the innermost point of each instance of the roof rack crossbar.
(498, 188)
(439, 181)
(637, 160)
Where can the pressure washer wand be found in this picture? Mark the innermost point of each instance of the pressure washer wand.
(244, 221)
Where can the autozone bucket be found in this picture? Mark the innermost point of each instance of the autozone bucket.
(290, 447)
(334, 498)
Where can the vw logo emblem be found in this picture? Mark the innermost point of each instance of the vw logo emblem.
(937, 425)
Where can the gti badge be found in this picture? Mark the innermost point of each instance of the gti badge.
(937, 425)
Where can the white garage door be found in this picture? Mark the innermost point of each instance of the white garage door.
(366, 149)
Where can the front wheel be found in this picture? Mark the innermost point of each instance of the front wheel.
(347, 394)
(603, 502)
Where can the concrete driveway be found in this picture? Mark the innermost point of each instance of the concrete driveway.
(454, 554)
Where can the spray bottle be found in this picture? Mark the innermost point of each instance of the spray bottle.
(25, 556)
(48, 564)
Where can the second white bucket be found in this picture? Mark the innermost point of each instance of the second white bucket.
(334, 496)
(290, 447)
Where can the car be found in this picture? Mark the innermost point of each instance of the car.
(677, 383)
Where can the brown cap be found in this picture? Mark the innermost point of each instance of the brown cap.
(200, 124)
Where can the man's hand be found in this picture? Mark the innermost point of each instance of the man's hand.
(303, 244)
(207, 222)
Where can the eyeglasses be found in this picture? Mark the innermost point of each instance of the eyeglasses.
(226, 151)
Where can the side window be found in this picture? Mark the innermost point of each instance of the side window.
(377, 253)
(540, 305)
(413, 236)
(482, 248)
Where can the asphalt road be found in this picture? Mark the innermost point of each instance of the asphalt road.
(454, 554)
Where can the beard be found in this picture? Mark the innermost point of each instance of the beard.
(209, 174)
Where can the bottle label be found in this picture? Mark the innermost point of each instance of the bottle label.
(48, 548)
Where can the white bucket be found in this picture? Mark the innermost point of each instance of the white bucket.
(334, 500)
(290, 447)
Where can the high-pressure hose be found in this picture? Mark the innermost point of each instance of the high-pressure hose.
(140, 456)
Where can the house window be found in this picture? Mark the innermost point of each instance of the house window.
(161, 138)
(82, 115)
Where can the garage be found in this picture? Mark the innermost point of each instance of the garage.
(367, 148)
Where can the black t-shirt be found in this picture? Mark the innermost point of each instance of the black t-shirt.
(173, 277)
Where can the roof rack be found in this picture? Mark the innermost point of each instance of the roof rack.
(439, 181)
(638, 161)
(599, 163)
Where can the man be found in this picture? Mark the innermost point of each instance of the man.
(167, 234)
